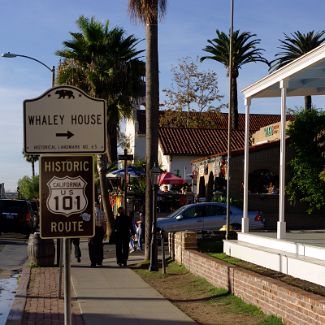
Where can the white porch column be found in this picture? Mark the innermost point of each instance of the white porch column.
(281, 224)
(245, 219)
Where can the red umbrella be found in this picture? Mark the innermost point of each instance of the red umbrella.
(170, 178)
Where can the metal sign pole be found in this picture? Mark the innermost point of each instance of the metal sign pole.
(67, 282)
(60, 264)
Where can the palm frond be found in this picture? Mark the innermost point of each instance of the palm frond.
(296, 45)
(147, 11)
(245, 49)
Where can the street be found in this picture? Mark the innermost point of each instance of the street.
(13, 254)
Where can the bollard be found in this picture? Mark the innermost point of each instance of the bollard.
(41, 252)
(163, 260)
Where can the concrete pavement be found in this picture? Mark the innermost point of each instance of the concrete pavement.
(107, 294)
(115, 295)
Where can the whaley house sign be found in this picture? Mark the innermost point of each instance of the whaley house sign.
(65, 120)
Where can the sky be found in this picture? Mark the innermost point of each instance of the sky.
(37, 28)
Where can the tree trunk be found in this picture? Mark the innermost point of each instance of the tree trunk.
(102, 161)
(112, 141)
(102, 171)
(307, 103)
(234, 104)
(152, 123)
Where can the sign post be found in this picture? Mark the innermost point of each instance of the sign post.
(125, 157)
(65, 120)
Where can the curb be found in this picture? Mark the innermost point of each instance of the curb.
(16, 313)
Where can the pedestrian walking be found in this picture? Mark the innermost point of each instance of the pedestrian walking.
(77, 251)
(132, 238)
(132, 247)
(139, 230)
(95, 244)
(124, 231)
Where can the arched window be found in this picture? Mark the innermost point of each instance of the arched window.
(202, 187)
(210, 187)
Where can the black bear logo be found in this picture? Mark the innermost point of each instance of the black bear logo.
(63, 93)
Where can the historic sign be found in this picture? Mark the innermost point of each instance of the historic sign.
(66, 196)
(64, 120)
(74, 199)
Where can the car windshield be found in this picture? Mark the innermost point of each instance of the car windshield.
(177, 212)
(12, 206)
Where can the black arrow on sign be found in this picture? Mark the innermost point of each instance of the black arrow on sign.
(68, 134)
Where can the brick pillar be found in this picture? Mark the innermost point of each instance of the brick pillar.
(189, 240)
(179, 242)
(171, 245)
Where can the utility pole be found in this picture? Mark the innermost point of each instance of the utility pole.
(230, 69)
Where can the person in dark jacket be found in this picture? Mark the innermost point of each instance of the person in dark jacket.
(77, 251)
(123, 229)
(95, 244)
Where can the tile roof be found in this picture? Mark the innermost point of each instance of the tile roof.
(221, 120)
(197, 142)
(238, 152)
(205, 142)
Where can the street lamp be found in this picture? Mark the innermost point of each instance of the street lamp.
(14, 55)
(10, 55)
(155, 172)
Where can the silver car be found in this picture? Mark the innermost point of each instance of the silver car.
(207, 216)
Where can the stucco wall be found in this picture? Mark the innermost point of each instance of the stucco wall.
(140, 147)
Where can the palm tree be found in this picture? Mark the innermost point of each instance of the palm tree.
(295, 46)
(31, 159)
(244, 51)
(148, 12)
(105, 64)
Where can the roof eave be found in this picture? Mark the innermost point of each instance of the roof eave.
(263, 87)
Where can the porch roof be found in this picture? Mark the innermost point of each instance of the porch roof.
(305, 76)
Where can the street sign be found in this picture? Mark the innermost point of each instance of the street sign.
(66, 196)
(64, 120)
(125, 157)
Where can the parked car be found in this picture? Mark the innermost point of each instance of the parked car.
(16, 216)
(207, 216)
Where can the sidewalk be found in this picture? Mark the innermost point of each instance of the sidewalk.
(107, 294)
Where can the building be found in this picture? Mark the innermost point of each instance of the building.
(178, 147)
(263, 185)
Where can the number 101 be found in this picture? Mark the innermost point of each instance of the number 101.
(66, 203)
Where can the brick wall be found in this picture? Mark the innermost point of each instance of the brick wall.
(293, 305)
